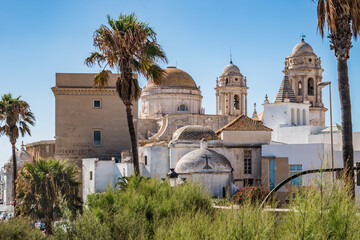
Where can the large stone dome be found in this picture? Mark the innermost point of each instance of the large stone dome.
(231, 70)
(194, 132)
(203, 161)
(302, 49)
(174, 78)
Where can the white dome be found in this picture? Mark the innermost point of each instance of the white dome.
(21, 156)
(231, 70)
(203, 161)
(302, 49)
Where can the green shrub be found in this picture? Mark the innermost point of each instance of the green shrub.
(253, 194)
(19, 228)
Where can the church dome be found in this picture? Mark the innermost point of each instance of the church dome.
(21, 156)
(174, 78)
(301, 49)
(203, 161)
(231, 70)
(194, 132)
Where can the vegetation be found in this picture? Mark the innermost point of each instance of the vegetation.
(43, 185)
(129, 46)
(342, 17)
(19, 229)
(150, 209)
(251, 194)
(15, 118)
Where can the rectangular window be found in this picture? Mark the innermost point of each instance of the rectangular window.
(247, 162)
(97, 103)
(271, 173)
(97, 138)
(294, 169)
(47, 148)
(145, 160)
(91, 177)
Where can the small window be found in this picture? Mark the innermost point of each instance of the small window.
(236, 79)
(310, 60)
(294, 169)
(236, 102)
(227, 81)
(182, 108)
(97, 138)
(145, 160)
(300, 89)
(247, 162)
(97, 103)
(248, 182)
(311, 87)
(47, 148)
(91, 175)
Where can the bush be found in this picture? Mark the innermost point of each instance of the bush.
(254, 194)
(19, 228)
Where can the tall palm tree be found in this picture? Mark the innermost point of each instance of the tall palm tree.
(43, 186)
(15, 118)
(342, 17)
(129, 46)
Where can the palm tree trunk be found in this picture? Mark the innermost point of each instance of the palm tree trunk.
(133, 139)
(48, 226)
(346, 122)
(14, 175)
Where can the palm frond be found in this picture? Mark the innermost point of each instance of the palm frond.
(101, 79)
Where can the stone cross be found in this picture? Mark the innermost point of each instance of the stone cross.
(207, 163)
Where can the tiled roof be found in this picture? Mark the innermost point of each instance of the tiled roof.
(285, 91)
(244, 123)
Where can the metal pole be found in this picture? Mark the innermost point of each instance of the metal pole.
(331, 133)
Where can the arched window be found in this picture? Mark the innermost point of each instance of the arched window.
(304, 117)
(311, 87)
(227, 81)
(182, 108)
(292, 117)
(236, 102)
(300, 89)
(298, 116)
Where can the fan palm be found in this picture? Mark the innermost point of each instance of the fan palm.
(15, 118)
(43, 186)
(129, 46)
(342, 17)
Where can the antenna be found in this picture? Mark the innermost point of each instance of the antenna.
(230, 56)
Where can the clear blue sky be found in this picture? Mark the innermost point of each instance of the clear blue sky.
(40, 38)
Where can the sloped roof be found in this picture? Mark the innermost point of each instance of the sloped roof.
(285, 91)
(244, 123)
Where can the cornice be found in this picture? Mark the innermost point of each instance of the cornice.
(84, 91)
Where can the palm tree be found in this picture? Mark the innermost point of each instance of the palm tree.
(43, 186)
(342, 17)
(129, 46)
(15, 118)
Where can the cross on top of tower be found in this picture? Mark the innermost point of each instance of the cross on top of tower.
(302, 36)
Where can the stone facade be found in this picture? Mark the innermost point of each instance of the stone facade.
(89, 122)
(41, 149)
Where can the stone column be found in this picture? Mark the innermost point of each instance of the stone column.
(305, 87)
(217, 103)
(245, 104)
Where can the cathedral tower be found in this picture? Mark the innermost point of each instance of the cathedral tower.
(303, 68)
(231, 92)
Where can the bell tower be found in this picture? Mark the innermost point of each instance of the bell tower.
(303, 68)
(231, 92)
